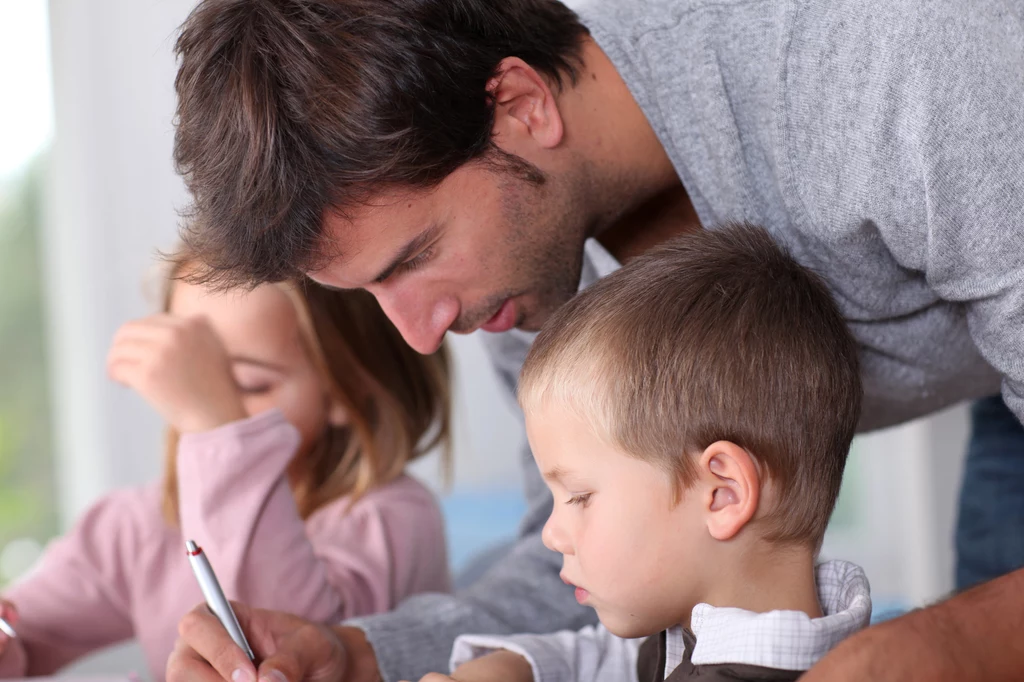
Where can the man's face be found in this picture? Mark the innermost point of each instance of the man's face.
(486, 249)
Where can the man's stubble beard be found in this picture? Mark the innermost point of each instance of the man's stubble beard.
(547, 259)
(546, 225)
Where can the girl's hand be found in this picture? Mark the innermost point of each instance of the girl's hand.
(180, 367)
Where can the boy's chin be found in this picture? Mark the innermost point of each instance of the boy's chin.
(626, 627)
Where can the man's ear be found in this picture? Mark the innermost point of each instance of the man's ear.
(524, 107)
(733, 482)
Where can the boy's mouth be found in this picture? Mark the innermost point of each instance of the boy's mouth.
(581, 594)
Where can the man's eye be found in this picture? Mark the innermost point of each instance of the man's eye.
(414, 263)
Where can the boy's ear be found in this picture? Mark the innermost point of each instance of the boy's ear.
(734, 484)
(524, 107)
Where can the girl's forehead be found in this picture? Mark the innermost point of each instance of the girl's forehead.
(261, 321)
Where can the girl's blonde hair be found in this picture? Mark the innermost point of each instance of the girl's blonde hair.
(398, 402)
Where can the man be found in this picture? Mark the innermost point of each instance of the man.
(453, 157)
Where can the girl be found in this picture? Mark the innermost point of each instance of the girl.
(292, 412)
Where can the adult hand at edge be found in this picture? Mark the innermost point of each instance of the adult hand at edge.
(288, 649)
(886, 652)
(972, 636)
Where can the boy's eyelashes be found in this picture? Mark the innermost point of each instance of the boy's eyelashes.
(580, 499)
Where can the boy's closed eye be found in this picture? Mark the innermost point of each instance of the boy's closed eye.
(581, 499)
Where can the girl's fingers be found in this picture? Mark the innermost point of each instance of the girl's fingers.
(145, 329)
(134, 344)
(133, 347)
(124, 372)
(133, 352)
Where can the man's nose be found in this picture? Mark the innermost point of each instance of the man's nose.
(421, 320)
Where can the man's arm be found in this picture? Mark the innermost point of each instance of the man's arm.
(966, 118)
(521, 593)
(973, 636)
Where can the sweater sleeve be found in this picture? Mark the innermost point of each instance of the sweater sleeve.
(972, 162)
(591, 654)
(388, 546)
(236, 502)
(77, 597)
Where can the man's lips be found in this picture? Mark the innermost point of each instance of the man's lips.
(502, 320)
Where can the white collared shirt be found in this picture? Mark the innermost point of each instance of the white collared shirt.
(787, 640)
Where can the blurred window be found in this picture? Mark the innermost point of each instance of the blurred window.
(28, 513)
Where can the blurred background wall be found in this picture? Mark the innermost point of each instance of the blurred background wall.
(88, 194)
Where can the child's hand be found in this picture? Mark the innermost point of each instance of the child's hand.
(500, 666)
(180, 367)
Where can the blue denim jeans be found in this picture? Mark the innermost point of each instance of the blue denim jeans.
(990, 525)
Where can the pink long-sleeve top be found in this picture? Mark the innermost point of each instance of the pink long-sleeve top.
(122, 571)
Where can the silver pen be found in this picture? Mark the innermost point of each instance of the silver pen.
(7, 628)
(215, 596)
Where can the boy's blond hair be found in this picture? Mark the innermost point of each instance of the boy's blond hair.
(718, 335)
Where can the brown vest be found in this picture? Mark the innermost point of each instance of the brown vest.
(651, 666)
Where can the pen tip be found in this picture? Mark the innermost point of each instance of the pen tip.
(191, 547)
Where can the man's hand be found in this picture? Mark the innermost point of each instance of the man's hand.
(973, 636)
(180, 367)
(501, 666)
(9, 613)
(12, 649)
(892, 651)
(287, 648)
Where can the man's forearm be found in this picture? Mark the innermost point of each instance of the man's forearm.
(523, 593)
(972, 636)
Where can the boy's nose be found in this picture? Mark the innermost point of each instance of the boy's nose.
(421, 321)
(554, 538)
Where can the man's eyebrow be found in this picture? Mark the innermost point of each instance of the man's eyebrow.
(412, 246)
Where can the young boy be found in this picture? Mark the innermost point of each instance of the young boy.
(692, 415)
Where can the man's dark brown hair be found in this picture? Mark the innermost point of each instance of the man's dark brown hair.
(288, 108)
(718, 335)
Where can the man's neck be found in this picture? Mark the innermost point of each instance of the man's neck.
(661, 218)
(768, 578)
(639, 201)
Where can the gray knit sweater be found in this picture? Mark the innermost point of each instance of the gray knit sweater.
(882, 141)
